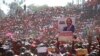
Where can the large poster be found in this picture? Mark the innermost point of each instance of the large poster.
(62, 22)
(66, 28)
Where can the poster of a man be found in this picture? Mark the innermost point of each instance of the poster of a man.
(67, 24)
(70, 26)
(66, 28)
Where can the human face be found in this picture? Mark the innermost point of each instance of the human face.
(69, 22)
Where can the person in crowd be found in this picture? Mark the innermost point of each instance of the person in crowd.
(9, 53)
(42, 25)
(42, 50)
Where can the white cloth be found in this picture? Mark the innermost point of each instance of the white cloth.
(41, 49)
(6, 47)
(98, 6)
(27, 43)
(56, 54)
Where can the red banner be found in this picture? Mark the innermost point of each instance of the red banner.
(65, 36)
(66, 33)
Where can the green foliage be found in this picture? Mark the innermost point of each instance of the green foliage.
(36, 8)
(13, 8)
(13, 5)
(19, 2)
(2, 14)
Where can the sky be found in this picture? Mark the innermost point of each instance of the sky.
(48, 2)
(5, 8)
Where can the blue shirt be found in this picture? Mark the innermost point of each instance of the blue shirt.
(70, 28)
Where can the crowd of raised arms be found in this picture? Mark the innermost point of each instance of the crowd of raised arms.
(35, 34)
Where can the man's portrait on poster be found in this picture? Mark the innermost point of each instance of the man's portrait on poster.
(69, 26)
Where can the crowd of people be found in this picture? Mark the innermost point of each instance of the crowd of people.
(36, 33)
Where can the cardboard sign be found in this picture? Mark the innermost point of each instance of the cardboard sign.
(80, 52)
(51, 49)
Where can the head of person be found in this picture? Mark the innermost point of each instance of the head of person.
(74, 36)
(27, 53)
(69, 21)
(9, 53)
(22, 49)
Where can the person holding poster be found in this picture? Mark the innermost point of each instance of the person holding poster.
(70, 26)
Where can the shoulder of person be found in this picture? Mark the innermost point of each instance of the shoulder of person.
(65, 27)
(72, 25)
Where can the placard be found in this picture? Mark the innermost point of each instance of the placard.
(80, 52)
(63, 23)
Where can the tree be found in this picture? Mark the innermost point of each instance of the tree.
(13, 5)
(19, 2)
(36, 8)
(32, 7)
(43, 6)
(14, 9)
(2, 14)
